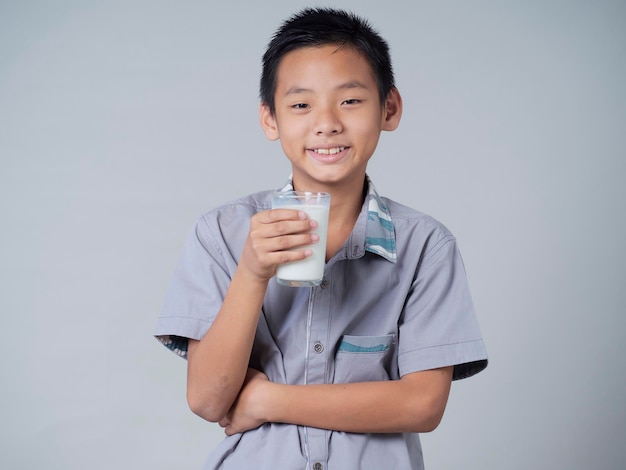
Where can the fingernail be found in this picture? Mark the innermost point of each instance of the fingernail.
(315, 237)
(313, 224)
(302, 215)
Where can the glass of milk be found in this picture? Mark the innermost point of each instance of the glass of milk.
(309, 271)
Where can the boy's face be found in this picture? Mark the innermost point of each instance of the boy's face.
(328, 115)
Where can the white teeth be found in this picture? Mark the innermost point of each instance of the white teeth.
(332, 151)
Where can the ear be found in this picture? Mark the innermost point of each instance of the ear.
(393, 110)
(268, 122)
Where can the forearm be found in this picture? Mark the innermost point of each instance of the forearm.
(217, 364)
(413, 404)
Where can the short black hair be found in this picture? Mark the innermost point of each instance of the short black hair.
(315, 27)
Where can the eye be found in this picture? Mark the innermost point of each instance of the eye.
(351, 101)
(300, 106)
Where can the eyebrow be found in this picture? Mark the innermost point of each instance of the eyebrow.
(295, 90)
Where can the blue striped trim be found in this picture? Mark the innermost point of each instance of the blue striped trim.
(380, 235)
(353, 348)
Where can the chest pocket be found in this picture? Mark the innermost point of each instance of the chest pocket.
(365, 358)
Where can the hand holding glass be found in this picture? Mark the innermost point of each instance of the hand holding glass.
(309, 271)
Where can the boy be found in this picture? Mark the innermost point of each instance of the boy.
(343, 375)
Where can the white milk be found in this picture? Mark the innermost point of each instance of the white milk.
(309, 271)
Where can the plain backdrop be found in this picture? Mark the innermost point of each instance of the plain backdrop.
(121, 122)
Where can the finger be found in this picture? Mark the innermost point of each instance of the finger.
(275, 254)
(281, 227)
(252, 373)
(280, 257)
(266, 244)
(283, 257)
(290, 242)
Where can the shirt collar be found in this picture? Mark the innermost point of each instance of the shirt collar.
(380, 236)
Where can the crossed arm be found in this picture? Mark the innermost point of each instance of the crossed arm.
(221, 388)
(414, 403)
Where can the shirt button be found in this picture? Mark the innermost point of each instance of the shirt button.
(324, 283)
(317, 466)
(318, 348)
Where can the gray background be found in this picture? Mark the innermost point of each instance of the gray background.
(121, 122)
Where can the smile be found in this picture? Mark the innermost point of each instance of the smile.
(331, 151)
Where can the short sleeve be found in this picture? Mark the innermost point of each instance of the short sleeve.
(439, 326)
(197, 288)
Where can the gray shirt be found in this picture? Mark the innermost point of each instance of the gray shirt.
(394, 300)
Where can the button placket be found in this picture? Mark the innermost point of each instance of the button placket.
(316, 366)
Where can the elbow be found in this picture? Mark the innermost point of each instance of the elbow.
(207, 409)
(426, 415)
(210, 401)
(424, 422)
(430, 422)
(428, 398)
(433, 408)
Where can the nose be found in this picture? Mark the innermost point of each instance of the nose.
(327, 122)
